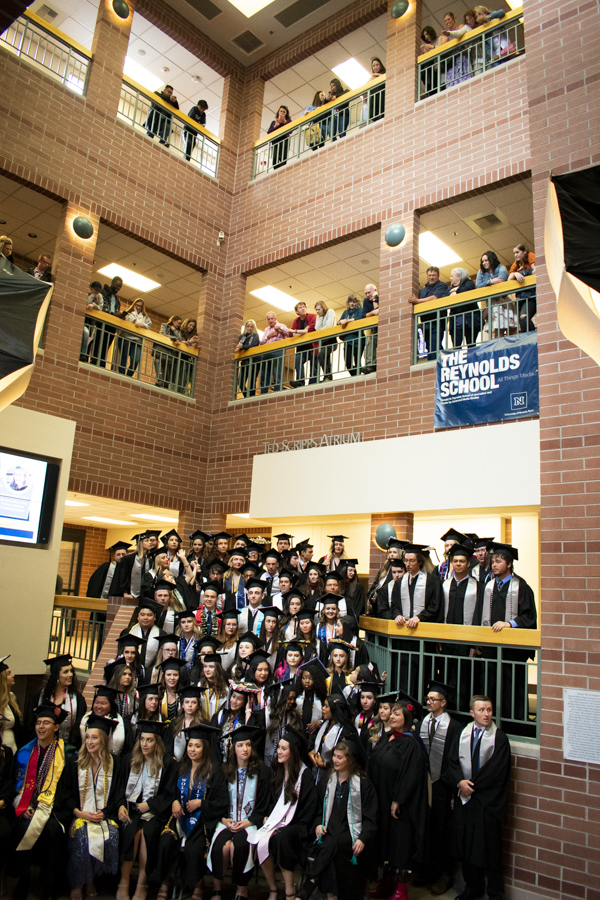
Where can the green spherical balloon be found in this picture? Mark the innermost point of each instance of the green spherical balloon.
(83, 228)
(399, 8)
(394, 235)
(121, 9)
(384, 532)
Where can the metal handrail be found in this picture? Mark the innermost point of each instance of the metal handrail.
(77, 630)
(472, 55)
(47, 48)
(326, 124)
(187, 139)
(468, 634)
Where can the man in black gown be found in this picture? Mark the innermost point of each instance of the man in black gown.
(101, 579)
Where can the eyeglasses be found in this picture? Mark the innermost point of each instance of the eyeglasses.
(433, 699)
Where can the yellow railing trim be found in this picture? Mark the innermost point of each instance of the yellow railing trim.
(63, 601)
(63, 38)
(475, 32)
(303, 120)
(507, 287)
(171, 109)
(310, 338)
(153, 336)
(466, 634)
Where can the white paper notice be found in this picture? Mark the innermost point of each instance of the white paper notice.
(581, 738)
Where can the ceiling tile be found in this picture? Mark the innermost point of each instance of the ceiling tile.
(315, 278)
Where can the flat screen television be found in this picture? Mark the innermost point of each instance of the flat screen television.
(28, 487)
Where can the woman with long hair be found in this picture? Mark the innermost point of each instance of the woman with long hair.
(325, 318)
(213, 685)
(348, 824)
(189, 332)
(314, 586)
(377, 93)
(340, 669)
(269, 632)
(307, 633)
(352, 590)
(248, 643)
(381, 730)
(280, 145)
(169, 691)
(62, 689)
(337, 724)
(293, 658)
(131, 343)
(310, 700)
(292, 604)
(168, 648)
(128, 653)
(94, 788)
(337, 552)
(237, 711)
(233, 582)
(282, 840)
(228, 634)
(11, 721)
(327, 629)
(104, 705)
(260, 673)
(148, 705)
(164, 358)
(279, 713)
(188, 634)
(248, 369)
(398, 770)
(249, 787)
(149, 780)
(123, 683)
(188, 716)
(200, 801)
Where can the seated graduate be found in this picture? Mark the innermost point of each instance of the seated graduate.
(148, 705)
(199, 801)
(187, 633)
(129, 653)
(188, 716)
(278, 714)
(170, 701)
(122, 682)
(346, 826)
(249, 787)
(248, 643)
(94, 789)
(270, 631)
(228, 634)
(293, 656)
(337, 724)
(398, 770)
(260, 673)
(237, 711)
(41, 803)
(104, 705)
(312, 694)
(62, 689)
(100, 581)
(213, 685)
(283, 838)
(207, 614)
(145, 626)
(148, 788)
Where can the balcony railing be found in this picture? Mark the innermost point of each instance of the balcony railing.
(505, 666)
(77, 628)
(328, 123)
(474, 54)
(185, 138)
(48, 49)
(332, 354)
(473, 317)
(118, 347)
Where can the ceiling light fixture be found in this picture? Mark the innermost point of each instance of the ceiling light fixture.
(352, 73)
(435, 252)
(31, 234)
(241, 515)
(250, 7)
(75, 503)
(141, 75)
(274, 297)
(108, 521)
(133, 279)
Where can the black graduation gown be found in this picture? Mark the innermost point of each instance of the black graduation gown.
(399, 773)
(7, 793)
(440, 834)
(71, 787)
(382, 609)
(332, 868)
(192, 860)
(159, 806)
(121, 583)
(355, 606)
(287, 847)
(97, 579)
(477, 825)
(433, 608)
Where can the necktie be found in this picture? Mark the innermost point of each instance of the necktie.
(269, 585)
(477, 734)
(431, 731)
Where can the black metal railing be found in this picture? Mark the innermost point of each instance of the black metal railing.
(324, 125)
(474, 54)
(473, 317)
(77, 631)
(323, 356)
(118, 347)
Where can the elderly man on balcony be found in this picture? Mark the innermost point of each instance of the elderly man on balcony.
(271, 364)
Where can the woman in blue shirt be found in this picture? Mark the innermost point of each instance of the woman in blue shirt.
(491, 270)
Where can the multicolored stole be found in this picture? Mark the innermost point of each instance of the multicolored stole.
(28, 786)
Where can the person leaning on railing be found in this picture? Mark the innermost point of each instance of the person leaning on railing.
(305, 353)
(281, 145)
(93, 301)
(198, 114)
(428, 327)
(370, 309)
(7, 260)
(271, 364)
(496, 45)
(458, 66)
(247, 371)
(159, 121)
(523, 266)
(131, 344)
(353, 342)
(466, 320)
(325, 319)
(164, 359)
(492, 271)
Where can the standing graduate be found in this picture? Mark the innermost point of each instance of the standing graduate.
(62, 689)
(337, 725)
(129, 574)
(100, 581)
(478, 775)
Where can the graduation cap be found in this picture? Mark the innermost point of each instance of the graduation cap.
(145, 726)
(293, 594)
(119, 545)
(280, 689)
(339, 645)
(244, 733)
(209, 641)
(173, 662)
(288, 573)
(283, 537)
(211, 586)
(369, 687)
(483, 542)
(104, 724)
(494, 547)
(397, 563)
(172, 533)
(329, 598)
(411, 704)
(390, 698)
(304, 545)
(258, 656)
(396, 542)
(190, 692)
(163, 639)
(230, 614)
(453, 535)
(294, 644)
(350, 562)
(152, 554)
(199, 535)
(317, 567)
(218, 565)
(297, 739)
(306, 613)
(272, 611)
(461, 550)
(222, 535)
(163, 585)
(256, 583)
(472, 535)
(438, 687)
(48, 710)
(130, 640)
(110, 668)
(251, 567)
(339, 538)
(335, 575)
(143, 535)
(201, 732)
(58, 662)
(144, 690)
(146, 603)
(314, 663)
(186, 614)
(250, 638)
(243, 687)
(252, 545)
(3, 666)
(102, 690)
(243, 537)
(273, 554)
(238, 551)
(356, 748)
(423, 549)
(213, 658)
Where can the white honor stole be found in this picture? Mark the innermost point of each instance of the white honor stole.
(511, 606)
(436, 750)
(282, 815)
(145, 783)
(486, 750)
(95, 800)
(470, 600)
(354, 808)
(418, 597)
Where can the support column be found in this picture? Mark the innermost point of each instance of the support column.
(109, 49)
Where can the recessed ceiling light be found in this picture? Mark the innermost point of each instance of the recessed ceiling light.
(435, 252)
(141, 52)
(250, 7)
(241, 515)
(166, 69)
(364, 262)
(108, 521)
(31, 234)
(352, 73)
(152, 518)
(75, 503)
(2, 221)
(141, 75)
(133, 279)
(275, 297)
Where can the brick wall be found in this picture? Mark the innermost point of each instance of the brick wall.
(94, 553)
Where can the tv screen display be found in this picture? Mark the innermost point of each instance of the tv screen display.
(27, 498)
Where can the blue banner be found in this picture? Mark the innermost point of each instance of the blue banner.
(491, 382)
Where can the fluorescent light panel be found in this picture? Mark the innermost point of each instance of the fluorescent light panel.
(274, 297)
(241, 515)
(139, 282)
(434, 251)
(250, 7)
(150, 518)
(352, 73)
(75, 503)
(141, 75)
(108, 521)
